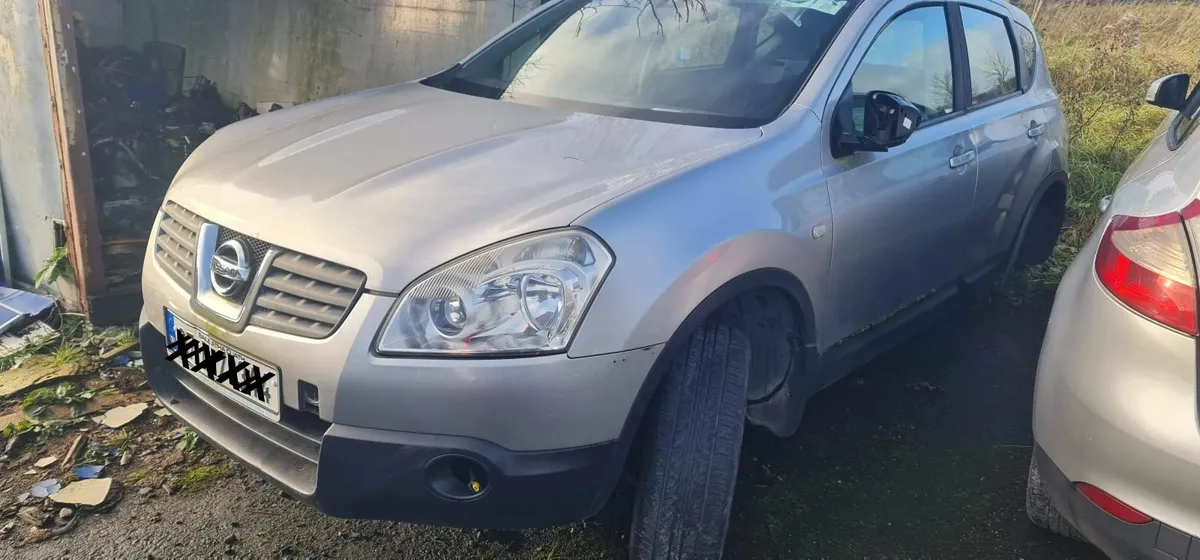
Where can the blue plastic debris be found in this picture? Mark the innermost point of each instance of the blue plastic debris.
(120, 360)
(90, 471)
(45, 488)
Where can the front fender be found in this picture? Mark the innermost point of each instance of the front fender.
(677, 243)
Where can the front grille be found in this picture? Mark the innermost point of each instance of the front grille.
(258, 251)
(300, 295)
(305, 296)
(175, 244)
(258, 248)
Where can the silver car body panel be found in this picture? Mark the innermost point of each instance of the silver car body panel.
(1116, 395)
(399, 180)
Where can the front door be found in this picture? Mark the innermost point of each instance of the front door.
(899, 216)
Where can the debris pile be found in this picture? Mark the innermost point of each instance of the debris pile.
(79, 425)
(142, 125)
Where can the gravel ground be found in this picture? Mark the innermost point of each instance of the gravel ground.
(922, 454)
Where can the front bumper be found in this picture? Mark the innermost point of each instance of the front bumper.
(348, 471)
(1118, 539)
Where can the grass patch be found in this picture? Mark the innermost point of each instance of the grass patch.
(199, 477)
(1102, 58)
(138, 475)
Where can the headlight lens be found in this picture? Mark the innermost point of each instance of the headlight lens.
(521, 296)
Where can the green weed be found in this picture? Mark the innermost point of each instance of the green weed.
(55, 267)
(198, 477)
(38, 400)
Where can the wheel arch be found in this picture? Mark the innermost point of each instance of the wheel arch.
(712, 306)
(1056, 182)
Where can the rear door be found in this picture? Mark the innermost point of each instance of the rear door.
(899, 215)
(1008, 128)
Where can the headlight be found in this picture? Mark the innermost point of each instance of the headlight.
(526, 295)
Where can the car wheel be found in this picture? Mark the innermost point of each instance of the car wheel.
(1041, 511)
(1042, 234)
(693, 442)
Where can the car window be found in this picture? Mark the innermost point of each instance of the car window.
(1185, 125)
(910, 57)
(727, 63)
(1028, 46)
(990, 55)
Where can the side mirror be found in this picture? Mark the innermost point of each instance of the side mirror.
(888, 121)
(1169, 92)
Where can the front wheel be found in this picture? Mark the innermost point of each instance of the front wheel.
(694, 439)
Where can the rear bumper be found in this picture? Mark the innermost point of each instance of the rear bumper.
(1115, 403)
(1116, 538)
(348, 471)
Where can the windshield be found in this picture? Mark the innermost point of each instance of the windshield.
(722, 63)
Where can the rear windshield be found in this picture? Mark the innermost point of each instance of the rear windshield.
(720, 63)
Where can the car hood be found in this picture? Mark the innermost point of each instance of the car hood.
(398, 180)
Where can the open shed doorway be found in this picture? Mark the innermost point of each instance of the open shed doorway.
(156, 78)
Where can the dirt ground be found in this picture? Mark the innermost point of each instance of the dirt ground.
(921, 454)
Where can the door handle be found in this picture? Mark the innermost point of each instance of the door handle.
(961, 160)
(1036, 130)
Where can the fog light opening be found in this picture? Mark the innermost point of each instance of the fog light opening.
(456, 477)
(1111, 505)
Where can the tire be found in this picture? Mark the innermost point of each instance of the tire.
(693, 440)
(1041, 511)
(1045, 227)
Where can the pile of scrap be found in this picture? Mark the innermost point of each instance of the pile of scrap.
(142, 124)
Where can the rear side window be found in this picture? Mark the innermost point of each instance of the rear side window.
(990, 54)
(910, 57)
(1028, 46)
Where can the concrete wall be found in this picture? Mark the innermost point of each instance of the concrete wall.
(30, 176)
(302, 50)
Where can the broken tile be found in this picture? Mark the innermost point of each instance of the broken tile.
(162, 412)
(84, 492)
(45, 488)
(90, 471)
(120, 416)
(73, 451)
(45, 462)
(36, 370)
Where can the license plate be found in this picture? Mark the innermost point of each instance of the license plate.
(245, 380)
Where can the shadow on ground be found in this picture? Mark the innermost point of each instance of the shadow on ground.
(921, 454)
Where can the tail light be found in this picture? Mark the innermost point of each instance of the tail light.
(1146, 263)
(1111, 505)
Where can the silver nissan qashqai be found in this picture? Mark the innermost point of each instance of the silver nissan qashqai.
(620, 224)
